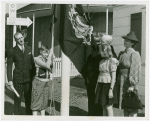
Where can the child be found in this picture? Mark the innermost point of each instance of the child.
(41, 82)
(105, 94)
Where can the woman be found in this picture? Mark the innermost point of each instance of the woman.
(129, 70)
(105, 94)
(41, 82)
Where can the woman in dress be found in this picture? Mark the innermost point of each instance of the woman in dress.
(129, 70)
(41, 83)
(105, 94)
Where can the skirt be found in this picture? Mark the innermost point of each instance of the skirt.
(102, 91)
(40, 95)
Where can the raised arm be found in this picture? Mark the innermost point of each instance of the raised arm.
(40, 62)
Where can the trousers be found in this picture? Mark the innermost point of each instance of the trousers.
(23, 89)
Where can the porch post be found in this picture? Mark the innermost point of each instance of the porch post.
(14, 31)
(65, 85)
(107, 21)
(33, 34)
(20, 25)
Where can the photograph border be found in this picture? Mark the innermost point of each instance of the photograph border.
(2, 55)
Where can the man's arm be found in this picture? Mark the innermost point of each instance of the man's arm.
(9, 69)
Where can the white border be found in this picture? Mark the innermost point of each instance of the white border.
(2, 73)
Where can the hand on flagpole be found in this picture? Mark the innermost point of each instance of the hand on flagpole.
(52, 58)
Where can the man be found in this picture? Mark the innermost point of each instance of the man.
(23, 73)
(90, 73)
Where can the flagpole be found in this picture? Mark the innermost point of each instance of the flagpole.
(65, 85)
(33, 34)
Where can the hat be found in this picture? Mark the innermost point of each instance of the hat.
(131, 36)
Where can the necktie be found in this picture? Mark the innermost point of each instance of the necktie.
(22, 49)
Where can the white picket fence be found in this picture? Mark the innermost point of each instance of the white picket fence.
(57, 68)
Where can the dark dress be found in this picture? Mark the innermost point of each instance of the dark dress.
(106, 67)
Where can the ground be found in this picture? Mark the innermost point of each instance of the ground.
(78, 100)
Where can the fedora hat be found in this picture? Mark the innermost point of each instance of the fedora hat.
(131, 36)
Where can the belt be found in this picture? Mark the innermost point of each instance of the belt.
(104, 74)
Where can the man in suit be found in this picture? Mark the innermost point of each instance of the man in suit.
(23, 73)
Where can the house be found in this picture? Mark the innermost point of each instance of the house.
(41, 14)
(126, 18)
(121, 19)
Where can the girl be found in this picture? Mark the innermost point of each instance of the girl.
(105, 94)
(41, 83)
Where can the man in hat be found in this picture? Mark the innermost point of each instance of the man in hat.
(90, 73)
(23, 73)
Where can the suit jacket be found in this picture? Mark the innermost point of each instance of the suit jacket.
(24, 65)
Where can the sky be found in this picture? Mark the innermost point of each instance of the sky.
(19, 5)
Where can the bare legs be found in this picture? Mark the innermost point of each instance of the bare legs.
(35, 113)
(107, 110)
(43, 112)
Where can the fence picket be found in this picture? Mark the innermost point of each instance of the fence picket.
(57, 70)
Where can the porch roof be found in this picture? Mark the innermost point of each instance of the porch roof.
(45, 9)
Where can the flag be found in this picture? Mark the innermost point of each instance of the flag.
(74, 37)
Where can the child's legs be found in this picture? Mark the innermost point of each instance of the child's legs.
(43, 112)
(109, 110)
(34, 113)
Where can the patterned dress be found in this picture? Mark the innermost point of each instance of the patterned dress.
(129, 71)
(41, 84)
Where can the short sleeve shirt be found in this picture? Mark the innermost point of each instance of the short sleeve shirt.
(106, 66)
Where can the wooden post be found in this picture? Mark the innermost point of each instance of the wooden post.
(20, 25)
(33, 34)
(65, 85)
(107, 21)
(14, 31)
